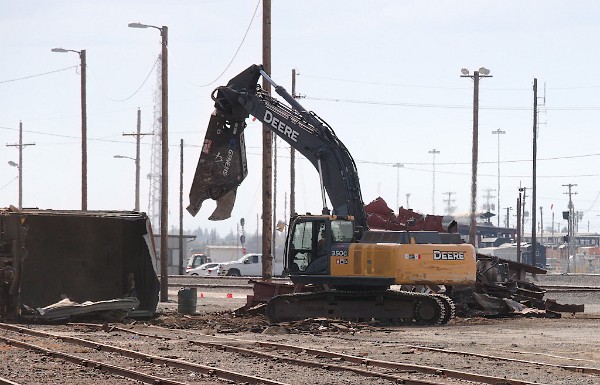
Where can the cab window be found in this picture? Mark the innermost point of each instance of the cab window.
(343, 231)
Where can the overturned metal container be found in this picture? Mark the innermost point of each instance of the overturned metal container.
(48, 255)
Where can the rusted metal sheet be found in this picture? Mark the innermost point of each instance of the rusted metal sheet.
(49, 255)
(552, 305)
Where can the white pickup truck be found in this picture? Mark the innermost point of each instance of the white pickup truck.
(250, 265)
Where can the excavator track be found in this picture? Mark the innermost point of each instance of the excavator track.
(395, 307)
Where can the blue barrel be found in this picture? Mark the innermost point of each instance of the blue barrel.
(186, 300)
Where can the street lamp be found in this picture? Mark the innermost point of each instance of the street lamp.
(82, 56)
(164, 197)
(137, 179)
(481, 73)
(13, 164)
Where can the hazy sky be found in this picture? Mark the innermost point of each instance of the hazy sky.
(384, 74)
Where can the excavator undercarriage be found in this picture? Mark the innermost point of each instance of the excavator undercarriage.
(388, 306)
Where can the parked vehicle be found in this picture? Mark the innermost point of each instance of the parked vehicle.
(205, 269)
(218, 253)
(196, 260)
(250, 265)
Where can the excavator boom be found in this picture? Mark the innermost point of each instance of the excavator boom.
(222, 165)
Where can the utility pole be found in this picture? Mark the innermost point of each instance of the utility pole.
(507, 220)
(20, 146)
(267, 171)
(552, 226)
(498, 132)
(483, 72)
(534, 178)
(433, 152)
(137, 135)
(519, 208)
(181, 272)
(293, 159)
(164, 191)
(449, 208)
(274, 226)
(488, 196)
(397, 166)
(570, 229)
(541, 224)
(82, 56)
(524, 189)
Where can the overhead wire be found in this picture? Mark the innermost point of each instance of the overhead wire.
(446, 106)
(441, 87)
(6, 185)
(236, 51)
(136, 91)
(37, 75)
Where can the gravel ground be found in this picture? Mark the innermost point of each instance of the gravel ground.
(571, 340)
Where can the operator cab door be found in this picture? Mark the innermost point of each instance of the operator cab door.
(308, 246)
(312, 240)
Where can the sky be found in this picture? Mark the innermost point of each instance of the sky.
(384, 74)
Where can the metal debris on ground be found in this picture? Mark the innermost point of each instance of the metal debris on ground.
(502, 290)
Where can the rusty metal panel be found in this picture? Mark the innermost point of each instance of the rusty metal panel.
(80, 255)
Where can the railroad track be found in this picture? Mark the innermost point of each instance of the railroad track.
(271, 363)
(569, 288)
(322, 357)
(117, 361)
(278, 360)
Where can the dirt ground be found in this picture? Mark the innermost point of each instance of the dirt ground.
(571, 340)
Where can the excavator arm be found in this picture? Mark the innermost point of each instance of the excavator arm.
(222, 165)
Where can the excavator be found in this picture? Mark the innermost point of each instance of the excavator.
(353, 266)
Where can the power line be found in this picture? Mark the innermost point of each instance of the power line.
(236, 52)
(440, 87)
(12, 180)
(37, 75)
(446, 106)
(137, 90)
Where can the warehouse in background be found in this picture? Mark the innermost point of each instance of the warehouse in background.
(48, 255)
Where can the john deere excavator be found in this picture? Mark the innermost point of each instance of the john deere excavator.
(335, 251)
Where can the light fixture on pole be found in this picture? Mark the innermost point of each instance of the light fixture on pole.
(82, 57)
(481, 73)
(498, 132)
(164, 195)
(137, 180)
(13, 164)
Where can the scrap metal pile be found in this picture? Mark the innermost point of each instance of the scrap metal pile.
(501, 288)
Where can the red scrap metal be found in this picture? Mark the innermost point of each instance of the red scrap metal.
(381, 217)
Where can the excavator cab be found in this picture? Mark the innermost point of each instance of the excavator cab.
(313, 239)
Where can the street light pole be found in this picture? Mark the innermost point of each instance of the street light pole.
(164, 196)
(82, 57)
(483, 72)
(19, 165)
